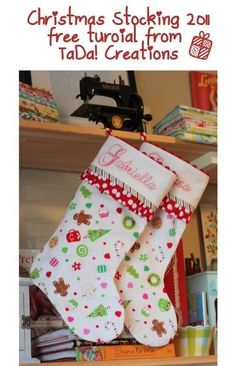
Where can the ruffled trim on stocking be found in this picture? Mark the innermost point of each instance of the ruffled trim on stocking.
(119, 191)
(177, 207)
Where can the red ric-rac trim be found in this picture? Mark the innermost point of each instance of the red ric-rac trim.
(177, 207)
(120, 192)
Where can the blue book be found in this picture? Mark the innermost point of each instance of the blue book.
(197, 308)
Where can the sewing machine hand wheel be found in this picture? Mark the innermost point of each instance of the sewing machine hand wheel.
(136, 102)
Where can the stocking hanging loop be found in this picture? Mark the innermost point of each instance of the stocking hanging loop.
(108, 131)
(143, 136)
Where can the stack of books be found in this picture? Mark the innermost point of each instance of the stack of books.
(62, 344)
(190, 124)
(37, 104)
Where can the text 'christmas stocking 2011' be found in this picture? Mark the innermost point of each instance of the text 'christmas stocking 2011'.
(110, 209)
(149, 314)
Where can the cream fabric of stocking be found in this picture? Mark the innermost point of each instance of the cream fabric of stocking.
(149, 314)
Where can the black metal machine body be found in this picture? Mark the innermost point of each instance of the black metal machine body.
(128, 114)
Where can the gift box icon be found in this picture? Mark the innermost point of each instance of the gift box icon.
(201, 46)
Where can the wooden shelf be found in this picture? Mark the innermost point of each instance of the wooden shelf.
(71, 148)
(173, 361)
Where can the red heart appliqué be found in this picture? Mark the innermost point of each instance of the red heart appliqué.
(119, 210)
(118, 314)
(48, 274)
(169, 245)
(107, 256)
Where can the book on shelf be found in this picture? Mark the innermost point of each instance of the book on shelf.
(46, 323)
(61, 337)
(197, 308)
(190, 124)
(63, 355)
(57, 347)
(198, 117)
(65, 345)
(110, 352)
(206, 281)
(64, 335)
(123, 352)
(37, 104)
(204, 90)
(56, 336)
(196, 137)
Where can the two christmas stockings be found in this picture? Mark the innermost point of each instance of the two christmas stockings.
(124, 222)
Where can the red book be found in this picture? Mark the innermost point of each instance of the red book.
(175, 284)
(204, 90)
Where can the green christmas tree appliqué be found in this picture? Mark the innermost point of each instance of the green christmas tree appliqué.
(85, 192)
(96, 234)
(98, 312)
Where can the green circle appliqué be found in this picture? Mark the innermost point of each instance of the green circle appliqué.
(154, 280)
(128, 222)
(82, 250)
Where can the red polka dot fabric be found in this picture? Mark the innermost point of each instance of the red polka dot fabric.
(176, 207)
(171, 205)
(133, 202)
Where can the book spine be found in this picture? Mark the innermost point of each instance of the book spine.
(204, 139)
(197, 307)
(204, 90)
(124, 352)
(204, 309)
(114, 342)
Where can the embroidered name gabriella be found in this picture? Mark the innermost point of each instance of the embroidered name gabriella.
(113, 157)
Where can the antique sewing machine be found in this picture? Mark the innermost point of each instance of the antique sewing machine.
(128, 114)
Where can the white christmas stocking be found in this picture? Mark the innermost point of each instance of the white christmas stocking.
(108, 212)
(149, 314)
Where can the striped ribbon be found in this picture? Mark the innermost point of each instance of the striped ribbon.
(124, 186)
